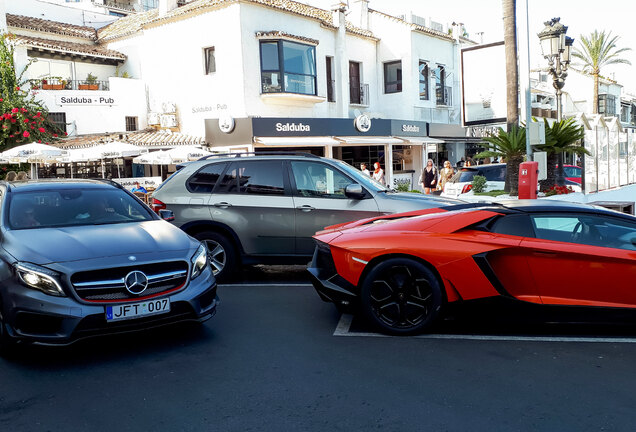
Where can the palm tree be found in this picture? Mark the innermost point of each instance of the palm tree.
(512, 147)
(561, 137)
(597, 51)
(512, 81)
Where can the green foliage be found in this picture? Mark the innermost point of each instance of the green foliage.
(23, 119)
(403, 187)
(479, 183)
(505, 144)
(598, 49)
(90, 78)
(564, 136)
(493, 193)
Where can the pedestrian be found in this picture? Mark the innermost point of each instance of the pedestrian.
(460, 163)
(378, 174)
(469, 162)
(22, 175)
(428, 178)
(363, 168)
(445, 175)
(139, 188)
(11, 176)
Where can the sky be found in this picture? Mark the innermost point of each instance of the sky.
(580, 16)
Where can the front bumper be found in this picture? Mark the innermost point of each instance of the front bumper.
(33, 317)
(329, 285)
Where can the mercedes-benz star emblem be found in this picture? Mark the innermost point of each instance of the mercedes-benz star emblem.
(136, 282)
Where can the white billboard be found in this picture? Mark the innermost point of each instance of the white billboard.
(484, 84)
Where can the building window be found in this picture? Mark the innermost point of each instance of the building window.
(331, 94)
(131, 124)
(58, 119)
(210, 60)
(288, 67)
(393, 77)
(633, 115)
(440, 83)
(607, 104)
(355, 83)
(147, 5)
(423, 69)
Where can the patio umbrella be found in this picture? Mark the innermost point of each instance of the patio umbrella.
(34, 153)
(159, 157)
(186, 153)
(115, 150)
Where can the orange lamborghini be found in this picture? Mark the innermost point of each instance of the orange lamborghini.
(404, 269)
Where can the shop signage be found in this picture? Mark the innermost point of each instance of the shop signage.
(129, 183)
(280, 127)
(482, 131)
(409, 128)
(403, 179)
(85, 100)
(226, 124)
(362, 123)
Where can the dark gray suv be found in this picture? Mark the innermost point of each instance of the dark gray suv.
(253, 209)
(84, 258)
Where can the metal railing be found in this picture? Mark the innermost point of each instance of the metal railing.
(358, 93)
(62, 84)
(331, 90)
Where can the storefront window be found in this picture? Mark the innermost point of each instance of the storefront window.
(288, 67)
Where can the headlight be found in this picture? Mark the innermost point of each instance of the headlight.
(199, 261)
(40, 278)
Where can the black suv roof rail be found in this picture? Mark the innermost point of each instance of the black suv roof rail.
(267, 153)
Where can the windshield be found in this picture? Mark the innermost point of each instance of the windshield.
(361, 178)
(73, 207)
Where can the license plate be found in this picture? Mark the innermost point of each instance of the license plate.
(136, 310)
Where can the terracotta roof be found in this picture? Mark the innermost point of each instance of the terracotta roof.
(69, 47)
(417, 27)
(281, 34)
(147, 138)
(43, 25)
(131, 24)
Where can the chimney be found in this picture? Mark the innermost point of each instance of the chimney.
(360, 13)
(166, 6)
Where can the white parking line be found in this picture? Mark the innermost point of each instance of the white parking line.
(344, 326)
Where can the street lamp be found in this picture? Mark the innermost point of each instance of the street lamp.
(556, 48)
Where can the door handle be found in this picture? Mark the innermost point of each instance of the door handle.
(306, 208)
(222, 204)
(544, 253)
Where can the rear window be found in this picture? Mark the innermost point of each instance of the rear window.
(492, 173)
(204, 180)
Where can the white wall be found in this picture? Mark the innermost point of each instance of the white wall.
(84, 13)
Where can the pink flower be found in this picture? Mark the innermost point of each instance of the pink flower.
(17, 88)
(15, 110)
(26, 120)
(42, 130)
(26, 134)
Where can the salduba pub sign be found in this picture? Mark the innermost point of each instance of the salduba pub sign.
(244, 129)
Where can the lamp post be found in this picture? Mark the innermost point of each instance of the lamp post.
(556, 48)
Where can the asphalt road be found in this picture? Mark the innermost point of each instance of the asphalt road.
(276, 358)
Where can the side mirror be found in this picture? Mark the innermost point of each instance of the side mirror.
(354, 191)
(166, 215)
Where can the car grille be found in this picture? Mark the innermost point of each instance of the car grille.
(323, 260)
(107, 285)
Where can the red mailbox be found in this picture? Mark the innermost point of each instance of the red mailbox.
(528, 178)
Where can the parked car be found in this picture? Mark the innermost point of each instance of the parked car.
(81, 258)
(432, 258)
(573, 173)
(461, 182)
(255, 208)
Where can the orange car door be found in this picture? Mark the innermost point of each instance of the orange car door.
(583, 260)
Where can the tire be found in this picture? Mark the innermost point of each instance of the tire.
(401, 296)
(221, 254)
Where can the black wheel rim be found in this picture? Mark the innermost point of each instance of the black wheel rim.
(401, 298)
(216, 255)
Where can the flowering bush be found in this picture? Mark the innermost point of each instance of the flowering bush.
(23, 119)
(559, 190)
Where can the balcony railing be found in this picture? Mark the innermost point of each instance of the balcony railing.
(358, 93)
(331, 90)
(444, 96)
(62, 84)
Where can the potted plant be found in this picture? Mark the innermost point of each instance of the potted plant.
(90, 83)
(52, 83)
(35, 84)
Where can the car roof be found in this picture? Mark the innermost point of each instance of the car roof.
(556, 206)
(483, 166)
(48, 184)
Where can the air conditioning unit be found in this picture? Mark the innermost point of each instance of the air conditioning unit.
(168, 120)
(153, 118)
(169, 107)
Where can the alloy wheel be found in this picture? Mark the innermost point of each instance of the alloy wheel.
(401, 298)
(216, 255)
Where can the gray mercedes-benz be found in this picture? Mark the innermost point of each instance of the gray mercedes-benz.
(86, 257)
